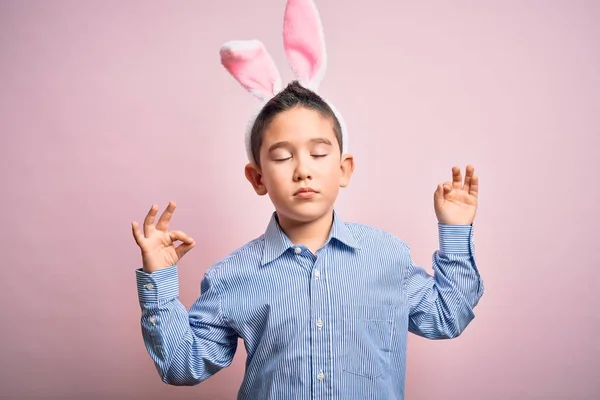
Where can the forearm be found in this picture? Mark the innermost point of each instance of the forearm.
(182, 353)
(165, 328)
(443, 306)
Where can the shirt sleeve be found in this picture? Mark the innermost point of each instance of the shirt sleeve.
(441, 306)
(186, 347)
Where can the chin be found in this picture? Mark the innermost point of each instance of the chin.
(304, 212)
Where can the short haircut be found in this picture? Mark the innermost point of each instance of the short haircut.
(294, 95)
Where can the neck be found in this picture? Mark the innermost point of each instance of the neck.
(312, 234)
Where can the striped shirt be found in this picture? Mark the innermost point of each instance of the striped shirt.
(330, 325)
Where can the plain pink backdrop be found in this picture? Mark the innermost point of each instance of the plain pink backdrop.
(109, 106)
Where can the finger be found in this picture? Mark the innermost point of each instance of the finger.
(468, 178)
(438, 195)
(447, 190)
(474, 189)
(137, 234)
(165, 218)
(456, 178)
(181, 236)
(447, 187)
(149, 220)
(183, 248)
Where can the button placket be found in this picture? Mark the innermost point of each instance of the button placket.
(319, 314)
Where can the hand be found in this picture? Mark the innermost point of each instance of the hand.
(157, 243)
(455, 203)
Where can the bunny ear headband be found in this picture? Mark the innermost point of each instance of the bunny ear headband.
(251, 65)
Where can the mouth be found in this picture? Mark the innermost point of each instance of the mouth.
(305, 190)
(305, 193)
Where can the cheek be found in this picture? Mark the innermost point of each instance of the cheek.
(333, 169)
(274, 177)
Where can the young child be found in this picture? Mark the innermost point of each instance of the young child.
(323, 306)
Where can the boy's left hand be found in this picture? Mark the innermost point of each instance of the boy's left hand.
(455, 202)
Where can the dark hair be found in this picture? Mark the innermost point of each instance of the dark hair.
(294, 95)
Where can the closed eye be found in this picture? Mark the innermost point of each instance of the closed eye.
(289, 158)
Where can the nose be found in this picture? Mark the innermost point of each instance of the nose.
(301, 171)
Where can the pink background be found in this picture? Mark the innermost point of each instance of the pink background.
(109, 106)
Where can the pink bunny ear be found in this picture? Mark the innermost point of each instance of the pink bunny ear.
(251, 65)
(304, 42)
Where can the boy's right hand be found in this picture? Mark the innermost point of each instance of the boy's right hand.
(157, 242)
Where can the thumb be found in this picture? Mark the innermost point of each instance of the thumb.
(438, 195)
(181, 236)
(183, 248)
(447, 190)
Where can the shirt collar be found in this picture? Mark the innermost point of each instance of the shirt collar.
(277, 242)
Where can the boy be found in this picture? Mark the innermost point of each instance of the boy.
(323, 306)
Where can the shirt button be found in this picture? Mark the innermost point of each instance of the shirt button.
(319, 323)
(298, 250)
(149, 286)
(317, 274)
(153, 320)
(321, 376)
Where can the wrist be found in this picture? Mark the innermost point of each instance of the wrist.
(160, 285)
(456, 238)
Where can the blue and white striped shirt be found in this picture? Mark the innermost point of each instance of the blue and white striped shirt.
(330, 325)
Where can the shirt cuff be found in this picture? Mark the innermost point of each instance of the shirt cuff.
(455, 239)
(158, 286)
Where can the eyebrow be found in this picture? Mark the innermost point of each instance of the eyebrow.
(278, 145)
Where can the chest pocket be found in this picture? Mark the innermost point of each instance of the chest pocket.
(367, 332)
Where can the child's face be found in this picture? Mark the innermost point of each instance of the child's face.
(300, 150)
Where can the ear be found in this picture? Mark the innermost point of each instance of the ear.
(347, 167)
(252, 66)
(254, 176)
(304, 42)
